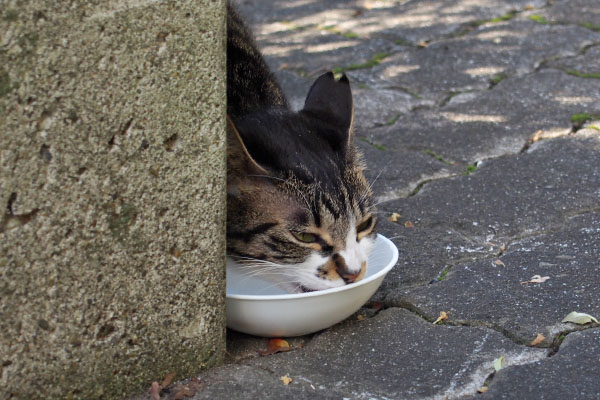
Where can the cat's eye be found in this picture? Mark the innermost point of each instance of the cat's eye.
(305, 237)
(363, 226)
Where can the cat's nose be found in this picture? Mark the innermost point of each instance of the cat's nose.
(349, 278)
(342, 269)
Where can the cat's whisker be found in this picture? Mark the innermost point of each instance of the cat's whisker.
(378, 175)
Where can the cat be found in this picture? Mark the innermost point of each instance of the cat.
(299, 209)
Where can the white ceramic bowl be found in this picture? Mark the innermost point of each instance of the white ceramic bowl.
(260, 308)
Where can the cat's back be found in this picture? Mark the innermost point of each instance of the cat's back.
(251, 86)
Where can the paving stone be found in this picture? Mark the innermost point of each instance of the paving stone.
(426, 20)
(515, 195)
(586, 65)
(397, 173)
(496, 122)
(261, 13)
(470, 217)
(412, 21)
(375, 107)
(425, 255)
(392, 355)
(571, 373)
(315, 51)
(582, 12)
(494, 294)
(477, 60)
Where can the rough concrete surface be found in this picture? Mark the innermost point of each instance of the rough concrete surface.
(482, 132)
(112, 194)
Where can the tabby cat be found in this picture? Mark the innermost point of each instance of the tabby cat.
(299, 210)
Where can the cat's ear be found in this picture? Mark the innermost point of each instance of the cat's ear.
(237, 153)
(331, 100)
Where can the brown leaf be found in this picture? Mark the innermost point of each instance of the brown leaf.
(538, 339)
(286, 379)
(182, 392)
(408, 224)
(275, 346)
(443, 316)
(499, 262)
(394, 217)
(168, 379)
(360, 317)
(155, 391)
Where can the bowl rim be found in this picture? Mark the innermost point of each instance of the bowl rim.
(382, 272)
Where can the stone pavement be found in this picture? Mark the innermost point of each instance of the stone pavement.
(480, 118)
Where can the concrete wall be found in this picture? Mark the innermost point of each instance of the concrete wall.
(112, 201)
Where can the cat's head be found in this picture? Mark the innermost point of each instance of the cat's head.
(299, 210)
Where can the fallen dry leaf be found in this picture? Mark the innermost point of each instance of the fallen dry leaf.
(168, 379)
(408, 224)
(443, 316)
(499, 262)
(579, 318)
(155, 391)
(483, 389)
(183, 392)
(536, 279)
(275, 346)
(538, 339)
(286, 379)
(499, 363)
(394, 217)
(360, 317)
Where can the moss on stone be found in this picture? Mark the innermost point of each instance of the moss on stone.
(373, 61)
(589, 25)
(539, 19)
(582, 118)
(506, 17)
(574, 72)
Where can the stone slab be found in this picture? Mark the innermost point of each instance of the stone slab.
(479, 59)
(491, 292)
(427, 21)
(394, 354)
(398, 173)
(580, 12)
(487, 124)
(586, 64)
(473, 216)
(571, 373)
(512, 196)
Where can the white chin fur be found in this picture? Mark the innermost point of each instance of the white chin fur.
(354, 255)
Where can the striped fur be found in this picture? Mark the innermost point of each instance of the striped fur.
(299, 209)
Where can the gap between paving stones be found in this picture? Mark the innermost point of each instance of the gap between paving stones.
(413, 188)
(554, 345)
